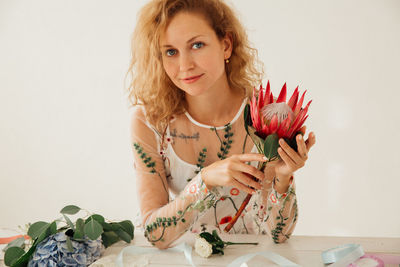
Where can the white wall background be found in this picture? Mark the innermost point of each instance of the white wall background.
(64, 129)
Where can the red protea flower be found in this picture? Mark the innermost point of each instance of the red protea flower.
(266, 120)
(275, 118)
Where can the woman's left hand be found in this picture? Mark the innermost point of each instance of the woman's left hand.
(291, 160)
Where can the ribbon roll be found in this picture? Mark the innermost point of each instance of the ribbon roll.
(276, 258)
(135, 250)
(342, 255)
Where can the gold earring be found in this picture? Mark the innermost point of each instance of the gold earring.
(227, 60)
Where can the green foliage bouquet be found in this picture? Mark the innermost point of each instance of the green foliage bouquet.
(72, 244)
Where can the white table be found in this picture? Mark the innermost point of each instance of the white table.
(303, 250)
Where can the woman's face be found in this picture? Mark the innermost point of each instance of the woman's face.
(193, 56)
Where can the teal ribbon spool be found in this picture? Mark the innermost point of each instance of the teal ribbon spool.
(342, 255)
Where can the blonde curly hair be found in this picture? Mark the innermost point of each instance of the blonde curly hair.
(150, 86)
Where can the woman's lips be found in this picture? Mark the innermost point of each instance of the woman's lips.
(192, 79)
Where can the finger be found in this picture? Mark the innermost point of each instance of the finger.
(295, 157)
(246, 180)
(242, 187)
(285, 157)
(251, 157)
(302, 148)
(250, 170)
(310, 141)
(303, 129)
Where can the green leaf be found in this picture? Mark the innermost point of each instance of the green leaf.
(19, 242)
(93, 229)
(271, 146)
(128, 227)
(37, 228)
(12, 255)
(258, 141)
(115, 226)
(70, 209)
(70, 224)
(96, 217)
(69, 244)
(109, 238)
(208, 237)
(51, 229)
(247, 118)
(124, 235)
(106, 226)
(79, 230)
(24, 259)
(216, 236)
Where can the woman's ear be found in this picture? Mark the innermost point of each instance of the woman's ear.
(227, 43)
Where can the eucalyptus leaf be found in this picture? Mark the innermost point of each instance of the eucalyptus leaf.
(106, 226)
(69, 222)
(51, 229)
(70, 209)
(37, 229)
(79, 229)
(115, 226)
(93, 229)
(109, 238)
(12, 255)
(19, 242)
(124, 235)
(128, 227)
(96, 217)
(24, 259)
(69, 244)
(271, 146)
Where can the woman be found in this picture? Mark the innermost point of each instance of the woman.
(192, 72)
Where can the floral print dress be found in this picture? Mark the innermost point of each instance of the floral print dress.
(172, 196)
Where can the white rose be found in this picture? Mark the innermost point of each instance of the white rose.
(202, 247)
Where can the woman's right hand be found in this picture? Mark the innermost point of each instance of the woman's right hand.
(233, 171)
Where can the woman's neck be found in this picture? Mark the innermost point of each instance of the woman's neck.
(215, 107)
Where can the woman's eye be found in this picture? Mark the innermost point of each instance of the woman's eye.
(198, 45)
(170, 52)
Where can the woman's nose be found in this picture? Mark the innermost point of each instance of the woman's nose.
(185, 62)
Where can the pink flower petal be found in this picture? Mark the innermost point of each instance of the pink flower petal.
(265, 131)
(282, 95)
(293, 100)
(299, 104)
(284, 127)
(274, 124)
(260, 98)
(267, 95)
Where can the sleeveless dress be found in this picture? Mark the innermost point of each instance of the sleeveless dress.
(172, 196)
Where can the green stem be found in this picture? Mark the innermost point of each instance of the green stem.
(234, 243)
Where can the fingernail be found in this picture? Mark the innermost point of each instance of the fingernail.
(300, 137)
(265, 158)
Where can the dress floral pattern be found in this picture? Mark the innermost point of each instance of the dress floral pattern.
(172, 195)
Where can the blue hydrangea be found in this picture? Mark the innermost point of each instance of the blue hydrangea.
(53, 252)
